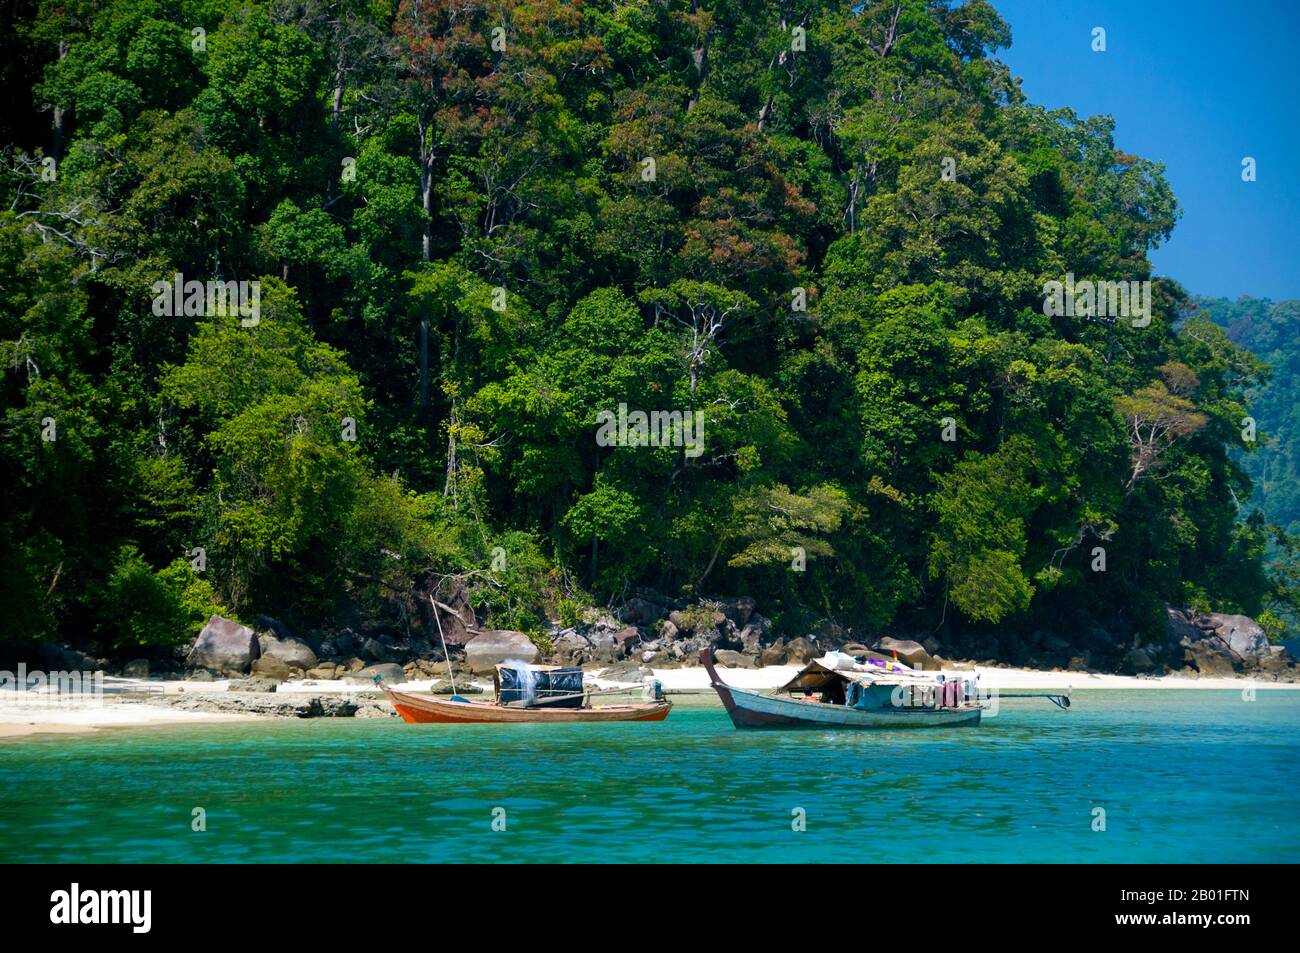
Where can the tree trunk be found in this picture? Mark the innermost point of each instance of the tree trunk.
(57, 151)
(426, 238)
(424, 361)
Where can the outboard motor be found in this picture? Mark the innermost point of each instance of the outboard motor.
(652, 690)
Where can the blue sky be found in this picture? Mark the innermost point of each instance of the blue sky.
(1196, 85)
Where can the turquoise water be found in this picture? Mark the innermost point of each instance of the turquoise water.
(1182, 776)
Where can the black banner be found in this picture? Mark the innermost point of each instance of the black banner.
(330, 903)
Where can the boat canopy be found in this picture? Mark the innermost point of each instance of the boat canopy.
(874, 671)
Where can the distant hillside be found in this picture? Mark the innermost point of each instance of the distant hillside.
(1272, 331)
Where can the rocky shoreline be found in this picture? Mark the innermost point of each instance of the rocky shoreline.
(271, 670)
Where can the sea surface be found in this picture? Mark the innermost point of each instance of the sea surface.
(1187, 776)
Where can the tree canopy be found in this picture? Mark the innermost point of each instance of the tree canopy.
(821, 229)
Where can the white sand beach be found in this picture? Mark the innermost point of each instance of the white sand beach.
(690, 679)
(21, 717)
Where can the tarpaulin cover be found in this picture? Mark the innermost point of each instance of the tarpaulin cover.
(549, 683)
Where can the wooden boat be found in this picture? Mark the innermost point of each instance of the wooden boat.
(880, 695)
(419, 708)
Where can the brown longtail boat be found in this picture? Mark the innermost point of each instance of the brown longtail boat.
(517, 703)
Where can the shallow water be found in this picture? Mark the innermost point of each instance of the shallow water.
(1181, 775)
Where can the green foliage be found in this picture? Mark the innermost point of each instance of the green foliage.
(141, 607)
(463, 252)
(1274, 627)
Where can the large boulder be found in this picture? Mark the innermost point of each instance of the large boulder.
(487, 650)
(740, 610)
(1276, 661)
(224, 646)
(639, 611)
(1219, 644)
(272, 668)
(571, 647)
(774, 654)
(1183, 627)
(799, 650)
(913, 653)
(626, 640)
(1138, 661)
(293, 652)
(388, 671)
(1209, 656)
(729, 659)
(1242, 634)
(756, 633)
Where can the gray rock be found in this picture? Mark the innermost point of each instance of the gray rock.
(729, 659)
(638, 611)
(629, 670)
(257, 683)
(627, 640)
(293, 652)
(136, 668)
(799, 650)
(774, 654)
(1138, 661)
(377, 650)
(460, 688)
(486, 651)
(1209, 656)
(264, 703)
(756, 633)
(345, 643)
(272, 668)
(912, 653)
(224, 646)
(1242, 634)
(388, 671)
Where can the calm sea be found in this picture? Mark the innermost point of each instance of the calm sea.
(1180, 776)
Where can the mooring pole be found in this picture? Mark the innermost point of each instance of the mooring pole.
(443, 639)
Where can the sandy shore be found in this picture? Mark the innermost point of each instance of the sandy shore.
(126, 701)
(692, 679)
(39, 716)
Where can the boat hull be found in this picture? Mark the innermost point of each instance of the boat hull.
(417, 708)
(753, 710)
